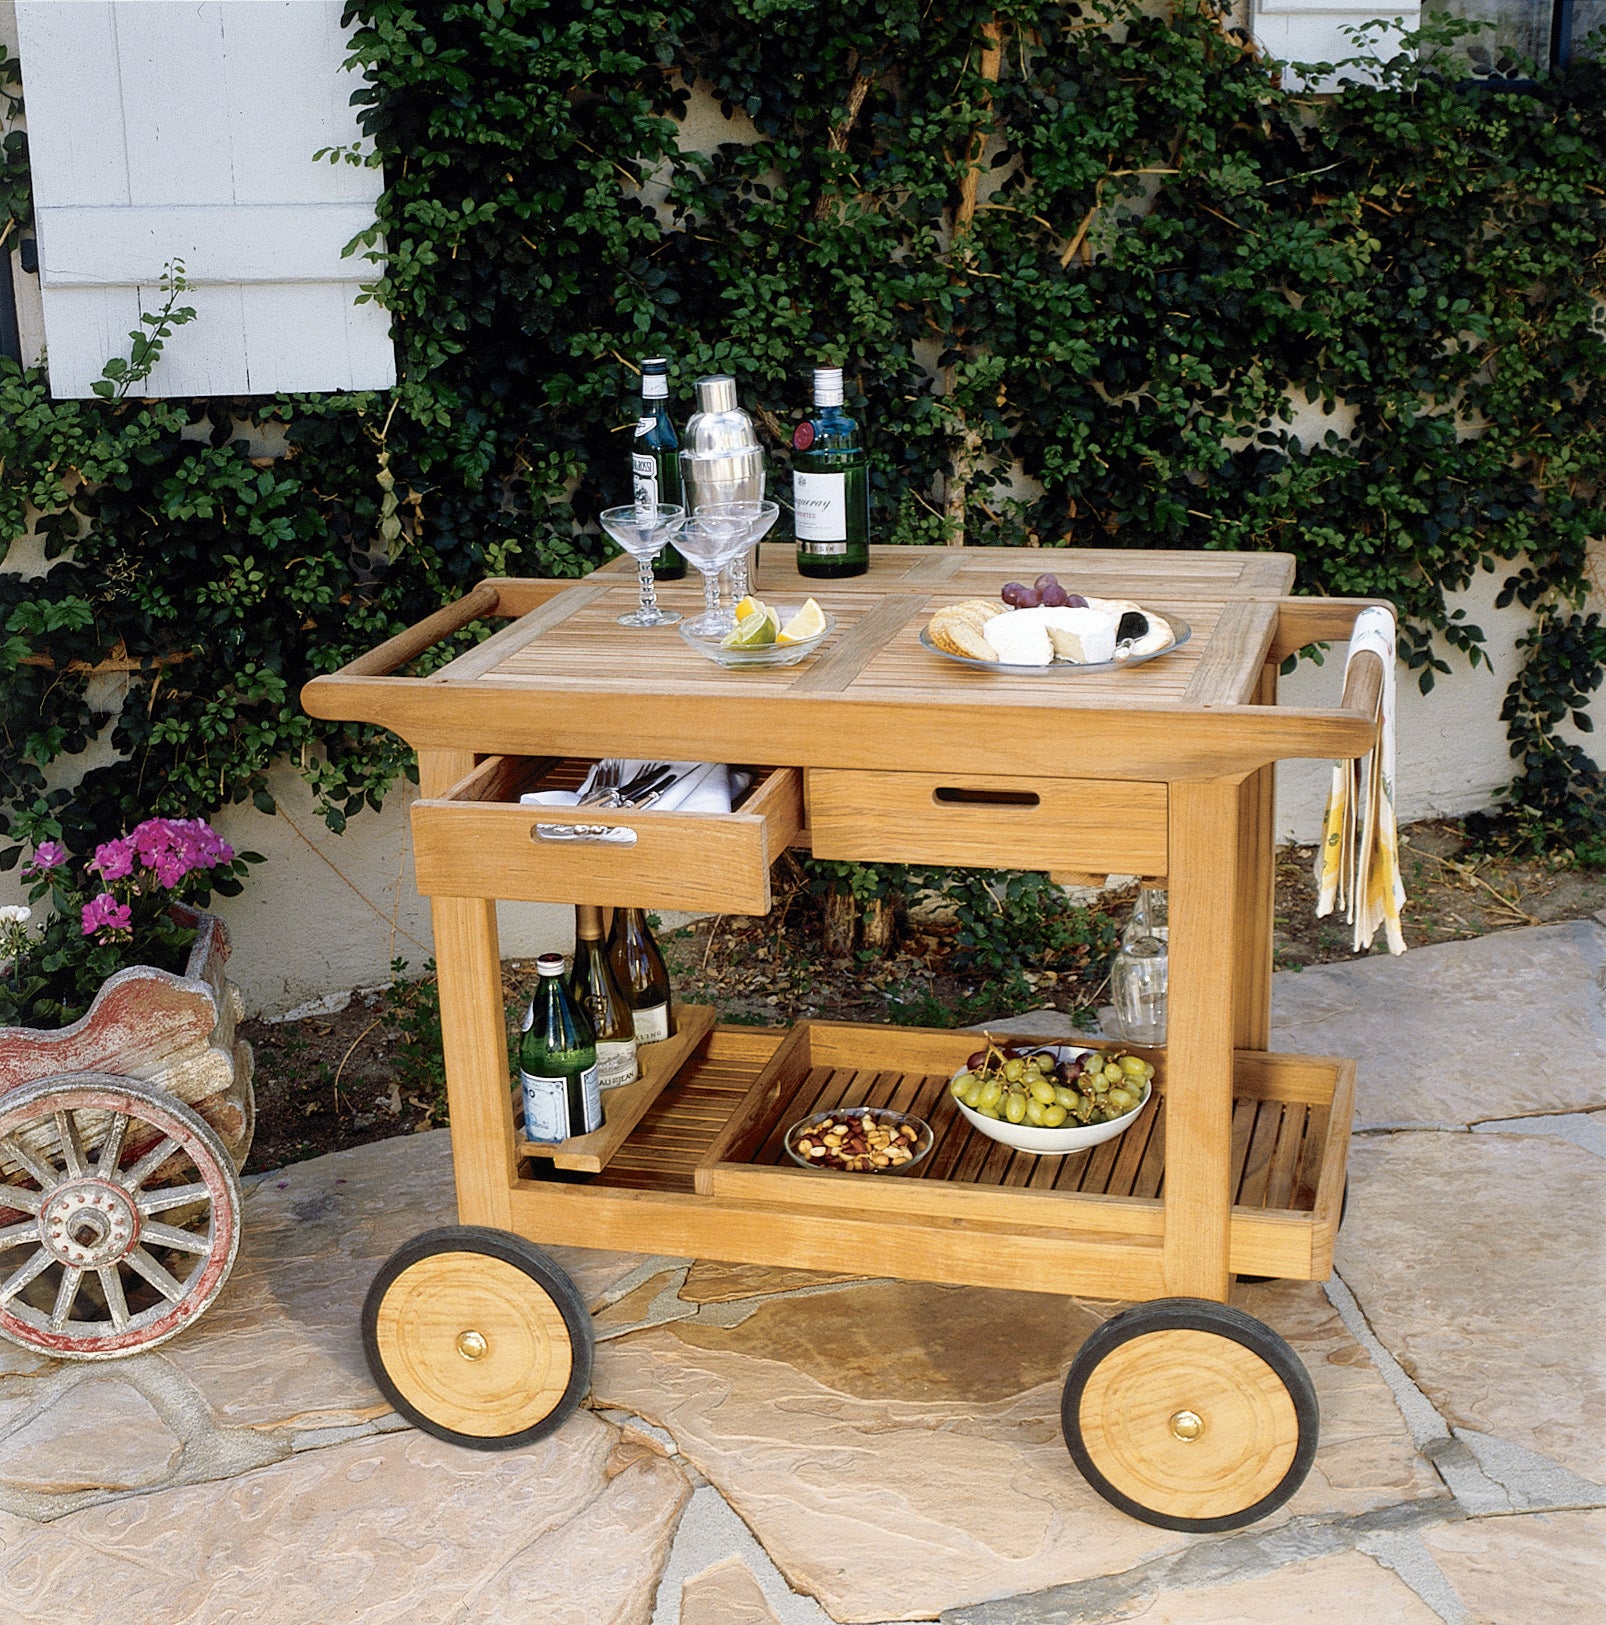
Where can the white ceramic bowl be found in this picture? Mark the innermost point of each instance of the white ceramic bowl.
(1053, 1142)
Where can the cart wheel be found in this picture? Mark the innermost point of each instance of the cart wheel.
(478, 1337)
(119, 1216)
(1190, 1415)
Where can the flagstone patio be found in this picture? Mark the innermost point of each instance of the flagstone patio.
(768, 1447)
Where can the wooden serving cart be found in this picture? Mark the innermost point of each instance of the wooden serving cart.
(1180, 1410)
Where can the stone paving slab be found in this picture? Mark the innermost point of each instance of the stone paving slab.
(1476, 1259)
(1545, 1569)
(1507, 1025)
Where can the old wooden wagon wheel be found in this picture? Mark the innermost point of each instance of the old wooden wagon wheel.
(1190, 1415)
(478, 1337)
(119, 1216)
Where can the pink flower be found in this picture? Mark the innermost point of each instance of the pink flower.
(106, 913)
(174, 847)
(47, 855)
(113, 859)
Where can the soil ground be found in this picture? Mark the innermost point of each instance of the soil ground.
(372, 1070)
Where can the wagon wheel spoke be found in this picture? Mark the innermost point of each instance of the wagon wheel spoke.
(66, 1295)
(47, 1178)
(24, 1273)
(111, 1148)
(149, 1163)
(170, 1196)
(21, 1198)
(17, 1235)
(111, 1285)
(142, 1263)
(168, 1235)
(72, 1148)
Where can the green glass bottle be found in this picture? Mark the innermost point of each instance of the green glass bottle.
(558, 1061)
(594, 988)
(655, 459)
(830, 487)
(642, 974)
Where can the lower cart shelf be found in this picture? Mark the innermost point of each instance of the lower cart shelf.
(713, 1138)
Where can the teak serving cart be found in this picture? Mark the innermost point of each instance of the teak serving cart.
(1182, 1411)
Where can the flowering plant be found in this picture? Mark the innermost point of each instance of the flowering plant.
(109, 911)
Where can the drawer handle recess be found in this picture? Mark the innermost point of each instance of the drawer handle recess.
(958, 795)
(611, 834)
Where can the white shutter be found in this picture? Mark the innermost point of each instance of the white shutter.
(1313, 31)
(163, 130)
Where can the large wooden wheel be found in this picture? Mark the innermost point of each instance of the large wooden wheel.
(478, 1337)
(1190, 1415)
(119, 1216)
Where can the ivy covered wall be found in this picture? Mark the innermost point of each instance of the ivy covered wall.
(1081, 262)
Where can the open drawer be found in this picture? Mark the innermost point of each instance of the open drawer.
(478, 841)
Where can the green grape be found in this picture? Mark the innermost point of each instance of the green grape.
(992, 1091)
(1043, 1090)
(1015, 1108)
(1014, 1069)
(1112, 1072)
(1133, 1065)
(973, 1089)
(1067, 1098)
(1098, 1083)
(1035, 1110)
(1053, 1116)
(989, 1111)
(960, 1084)
(1121, 1101)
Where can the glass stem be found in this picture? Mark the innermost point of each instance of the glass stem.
(739, 586)
(711, 591)
(649, 594)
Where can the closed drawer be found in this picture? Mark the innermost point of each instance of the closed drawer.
(988, 820)
(478, 841)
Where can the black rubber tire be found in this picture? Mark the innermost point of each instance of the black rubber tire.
(1193, 1314)
(1260, 1280)
(546, 1275)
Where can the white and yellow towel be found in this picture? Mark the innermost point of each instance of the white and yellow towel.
(1358, 862)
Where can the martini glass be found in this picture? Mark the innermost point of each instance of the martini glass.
(711, 544)
(642, 532)
(755, 520)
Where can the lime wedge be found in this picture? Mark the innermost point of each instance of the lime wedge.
(752, 631)
(749, 606)
(809, 622)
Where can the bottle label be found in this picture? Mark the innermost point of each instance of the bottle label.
(644, 470)
(591, 1100)
(820, 508)
(652, 1024)
(616, 1064)
(803, 436)
(546, 1107)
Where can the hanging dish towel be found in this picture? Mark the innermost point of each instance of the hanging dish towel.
(1358, 861)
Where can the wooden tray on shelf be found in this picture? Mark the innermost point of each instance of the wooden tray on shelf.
(1291, 1119)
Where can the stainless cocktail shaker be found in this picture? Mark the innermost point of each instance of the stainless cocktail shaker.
(721, 460)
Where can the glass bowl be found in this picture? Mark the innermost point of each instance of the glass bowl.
(816, 1121)
(1052, 1142)
(766, 654)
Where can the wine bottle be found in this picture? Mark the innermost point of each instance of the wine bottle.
(558, 1061)
(642, 976)
(593, 987)
(830, 486)
(655, 459)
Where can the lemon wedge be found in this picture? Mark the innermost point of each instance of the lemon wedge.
(750, 606)
(809, 622)
(752, 631)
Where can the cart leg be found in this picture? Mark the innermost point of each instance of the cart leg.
(1256, 894)
(474, 1038)
(1204, 851)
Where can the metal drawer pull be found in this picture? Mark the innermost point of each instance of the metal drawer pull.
(613, 834)
(958, 795)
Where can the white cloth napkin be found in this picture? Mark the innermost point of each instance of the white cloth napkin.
(1358, 861)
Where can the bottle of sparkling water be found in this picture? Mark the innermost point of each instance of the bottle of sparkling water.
(641, 973)
(655, 459)
(593, 987)
(558, 1061)
(830, 486)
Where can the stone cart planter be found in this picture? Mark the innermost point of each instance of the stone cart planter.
(121, 1141)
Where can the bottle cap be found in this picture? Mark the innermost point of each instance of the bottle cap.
(827, 386)
(549, 964)
(716, 393)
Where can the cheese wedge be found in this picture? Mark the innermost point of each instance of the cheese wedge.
(1020, 638)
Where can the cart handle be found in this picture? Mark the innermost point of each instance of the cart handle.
(502, 597)
(1302, 621)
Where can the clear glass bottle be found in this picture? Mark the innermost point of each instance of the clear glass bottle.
(1138, 988)
(593, 987)
(641, 973)
(558, 1061)
(655, 459)
(830, 487)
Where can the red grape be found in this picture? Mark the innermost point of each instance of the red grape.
(1074, 600)
(1053, 595)
(1019, 596)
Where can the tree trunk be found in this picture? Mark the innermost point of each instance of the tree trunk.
(841, 922)
(880, 924)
